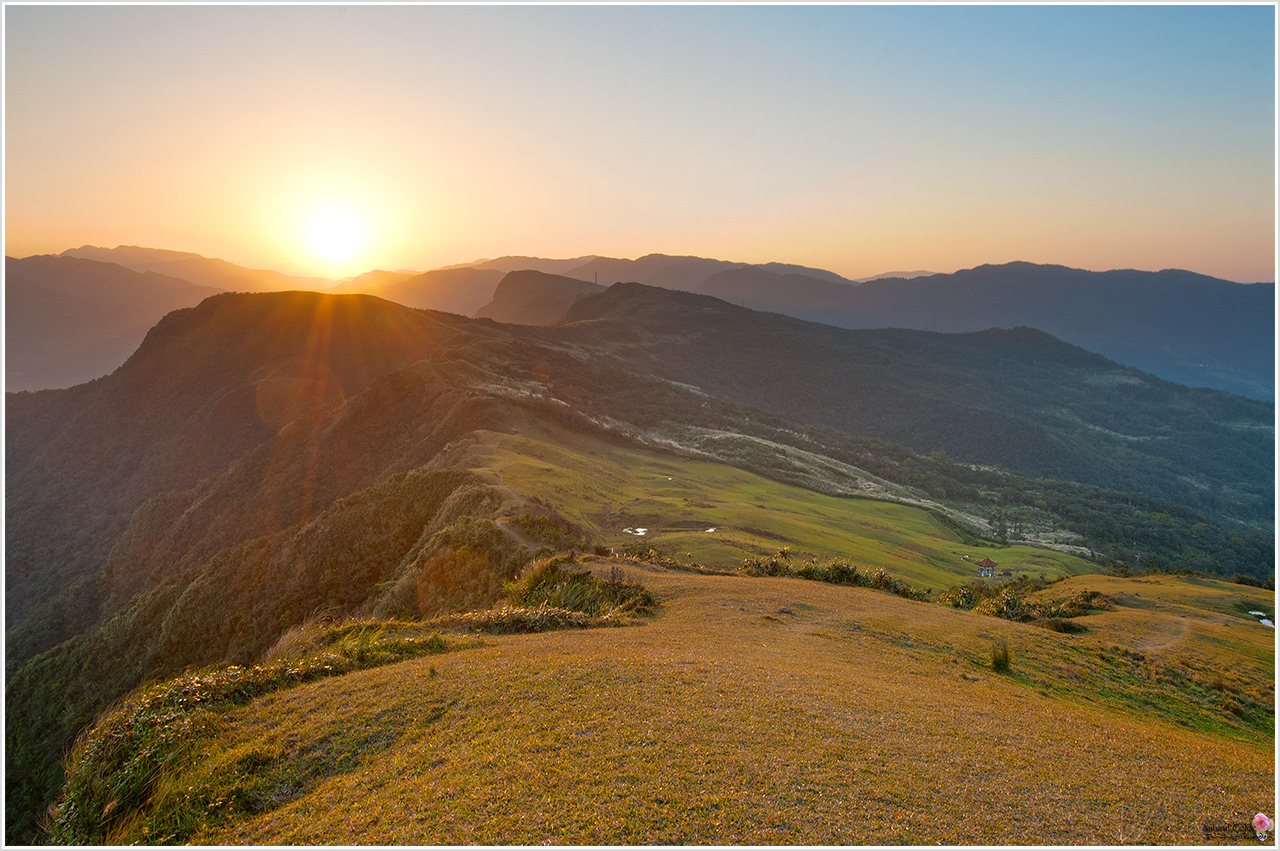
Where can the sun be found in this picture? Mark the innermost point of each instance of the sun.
(335, 232)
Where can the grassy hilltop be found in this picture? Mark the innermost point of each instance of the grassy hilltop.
(755, 710)
(728, 708)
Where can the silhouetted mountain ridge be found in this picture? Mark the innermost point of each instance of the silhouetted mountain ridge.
(529, 297)
(1183, 326)
(462, 290)
(68, 320)
(207, 385)
(198, 269)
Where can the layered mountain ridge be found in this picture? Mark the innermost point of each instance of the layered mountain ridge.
(70, 320)
(264, 457)
(1184, 327)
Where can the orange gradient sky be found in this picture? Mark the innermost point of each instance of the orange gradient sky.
(858, 139)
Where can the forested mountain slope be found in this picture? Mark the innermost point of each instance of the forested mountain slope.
(208, 384)
(1182, 326)
(1019, 398)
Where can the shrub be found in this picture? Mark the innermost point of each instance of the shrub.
(833, 571)
(521, 619)
(1073, 607)
(960, 597)
(1007, 600)
(548, 582)
(1007, 604)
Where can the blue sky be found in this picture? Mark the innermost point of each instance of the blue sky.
(860, 139)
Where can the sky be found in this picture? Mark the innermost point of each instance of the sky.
(860, 139)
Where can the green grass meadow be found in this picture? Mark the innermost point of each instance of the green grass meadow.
(606, 489)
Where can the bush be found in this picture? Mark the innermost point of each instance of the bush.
(521, 619)
(548, 582)
(834, 571)
(1007, 604)
(961, 597)
(1007, 600)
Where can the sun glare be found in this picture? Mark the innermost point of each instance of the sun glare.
(336, 233)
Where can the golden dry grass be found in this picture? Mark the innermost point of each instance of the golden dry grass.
(747, 711)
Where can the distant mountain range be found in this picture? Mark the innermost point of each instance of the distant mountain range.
(68, 320)
(918, 273)
(1189, 328)
(207, 271)
(462, 290)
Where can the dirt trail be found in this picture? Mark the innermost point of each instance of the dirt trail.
(503, 521)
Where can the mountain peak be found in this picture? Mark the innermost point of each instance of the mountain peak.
(530, 297)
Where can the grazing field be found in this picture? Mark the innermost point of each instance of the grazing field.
(749, 710)
(716, 515)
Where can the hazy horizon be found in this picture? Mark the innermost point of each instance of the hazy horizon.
(302, 271)
(330, 141)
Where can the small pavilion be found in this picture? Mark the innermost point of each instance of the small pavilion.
(987, 567)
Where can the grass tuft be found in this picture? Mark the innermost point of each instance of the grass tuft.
(1061, 625)
(1000, 656)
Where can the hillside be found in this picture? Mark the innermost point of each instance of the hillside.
(266, 458)
(1019, 399)
(462, 291)
(1184, 327)
(792, 294)
(742, 711)
(207, 385)
(68, 321)
(529, 297)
